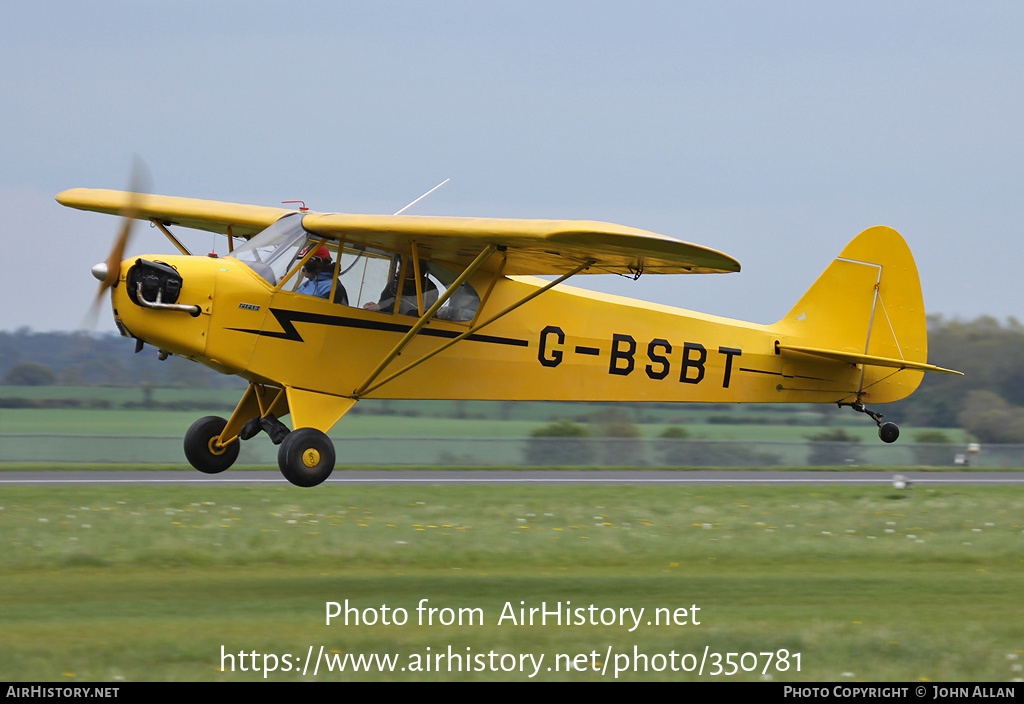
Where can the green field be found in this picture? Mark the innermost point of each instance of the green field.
(853, 583)
(165, 422)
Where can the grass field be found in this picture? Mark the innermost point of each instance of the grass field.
(162, 422)
(852, 583)
(374, 417)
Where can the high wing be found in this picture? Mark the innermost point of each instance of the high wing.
(211, 215)
(530, 247)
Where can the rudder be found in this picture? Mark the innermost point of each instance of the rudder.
(867, 302)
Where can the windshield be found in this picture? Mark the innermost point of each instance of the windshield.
(272, 252)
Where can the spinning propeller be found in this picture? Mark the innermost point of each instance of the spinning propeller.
(107, 271)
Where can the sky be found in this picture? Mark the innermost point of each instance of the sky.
(771, 131)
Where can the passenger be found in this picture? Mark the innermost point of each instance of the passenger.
(461, 306)
(408, 304)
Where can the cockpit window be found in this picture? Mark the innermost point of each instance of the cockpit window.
(365, 275)
(388, 285)
(359, 276)
(462, 305)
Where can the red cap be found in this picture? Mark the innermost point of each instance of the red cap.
(322, 253)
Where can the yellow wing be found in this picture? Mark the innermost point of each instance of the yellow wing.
(530, 247)
(211, 215)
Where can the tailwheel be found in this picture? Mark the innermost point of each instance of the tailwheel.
(306, 457)
(203, 449)
(887, 432)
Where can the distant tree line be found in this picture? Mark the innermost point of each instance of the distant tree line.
(988, 401)
(44, 358)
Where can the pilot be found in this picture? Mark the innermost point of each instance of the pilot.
(407, 304)
(318, 272)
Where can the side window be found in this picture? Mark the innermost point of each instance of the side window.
(462, 305)
(365, 273)
(398, 289)
(372, 280)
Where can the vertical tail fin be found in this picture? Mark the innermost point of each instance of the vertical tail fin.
(866, 308)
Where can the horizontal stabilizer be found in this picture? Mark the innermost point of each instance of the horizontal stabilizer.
(868, 359)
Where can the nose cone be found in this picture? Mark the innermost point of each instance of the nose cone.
(99, 271)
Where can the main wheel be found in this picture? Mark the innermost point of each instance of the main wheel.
(306, 457)
(203, 452)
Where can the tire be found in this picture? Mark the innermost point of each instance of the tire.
(888, 432)
(199, 450)
(306, 457)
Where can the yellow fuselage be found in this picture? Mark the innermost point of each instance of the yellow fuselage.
(566, 344)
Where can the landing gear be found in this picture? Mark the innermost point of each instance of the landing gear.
(888, 432)
(203, 449)
(306, 457)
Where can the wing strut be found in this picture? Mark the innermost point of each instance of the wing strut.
(365, 388)
(425, 318)
(172, 238)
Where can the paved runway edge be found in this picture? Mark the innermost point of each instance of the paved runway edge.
(526, 477)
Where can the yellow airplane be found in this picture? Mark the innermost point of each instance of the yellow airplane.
(319, 310)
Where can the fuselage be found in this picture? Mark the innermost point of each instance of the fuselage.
(566, 344)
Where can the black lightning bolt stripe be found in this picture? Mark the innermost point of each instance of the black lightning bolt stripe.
(287, 319)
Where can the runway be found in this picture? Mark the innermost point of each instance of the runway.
(524, 478)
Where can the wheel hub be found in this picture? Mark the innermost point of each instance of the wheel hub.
(215, 447)
(311, 457)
